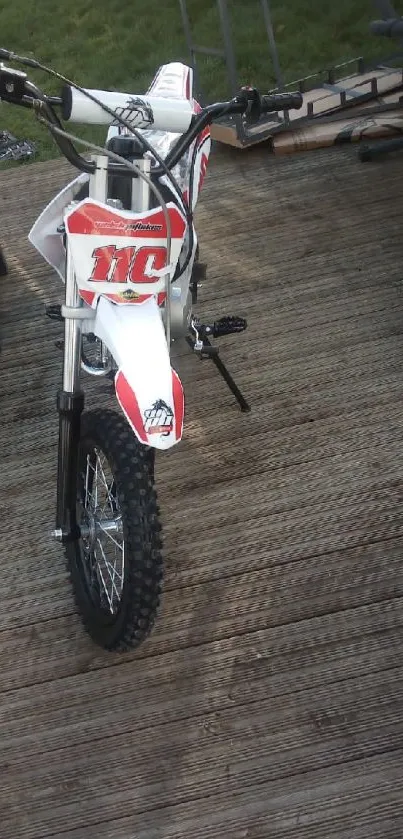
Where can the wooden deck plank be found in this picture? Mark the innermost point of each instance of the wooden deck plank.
(353, 577)
(268, 702)
(308, 809)
(225, 670)
(229, 761)
(327, 719)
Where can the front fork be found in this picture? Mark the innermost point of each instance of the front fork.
(70, 404)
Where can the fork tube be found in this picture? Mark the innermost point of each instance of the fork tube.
(70, 403)
(141, 203)
(140, 189)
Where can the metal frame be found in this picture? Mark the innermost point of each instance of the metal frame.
(330, 80)
(229, 57)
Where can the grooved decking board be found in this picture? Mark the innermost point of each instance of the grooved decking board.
(268, 703)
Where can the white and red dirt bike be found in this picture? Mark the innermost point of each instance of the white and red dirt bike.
(122, 239)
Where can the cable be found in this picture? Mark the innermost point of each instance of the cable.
(116, 157)
(33, 62)
(186, 205)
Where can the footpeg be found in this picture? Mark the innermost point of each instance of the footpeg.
(201, 345)
(228, 325)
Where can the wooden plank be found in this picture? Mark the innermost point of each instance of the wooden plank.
(323, 101)
(273, 591)
(329, 719)
(74, 688)
(389, 124)
(359, 84)
(315, 741)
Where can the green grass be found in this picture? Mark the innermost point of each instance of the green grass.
(117, 44)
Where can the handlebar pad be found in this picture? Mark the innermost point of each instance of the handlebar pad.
(281, 102)
(392, 28)
(146, 111)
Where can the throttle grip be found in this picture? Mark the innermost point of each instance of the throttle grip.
(281, 102)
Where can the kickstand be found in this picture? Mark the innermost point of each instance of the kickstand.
(213, 355)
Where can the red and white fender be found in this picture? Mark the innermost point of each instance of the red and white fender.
(120, 265)
(148, 390)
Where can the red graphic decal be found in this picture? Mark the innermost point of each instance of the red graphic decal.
(92, 219)
(103, 260)
(203, 170)
(179, 404)
(164, 430)
(206, 131)
(204, 135)
(87, 296)
(147, 259)
(118, 265)
(122, 262)
(159, 418)
(128, 402)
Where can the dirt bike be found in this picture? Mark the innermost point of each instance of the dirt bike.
(122, 239)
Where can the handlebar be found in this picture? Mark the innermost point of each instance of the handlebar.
(15, 88)
(391, 28)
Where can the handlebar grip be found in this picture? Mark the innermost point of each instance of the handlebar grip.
(392, 28)
(281, 102)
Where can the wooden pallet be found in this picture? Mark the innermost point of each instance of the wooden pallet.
(318, 102)
(311, 136)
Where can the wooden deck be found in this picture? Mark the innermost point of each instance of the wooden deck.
(268, 704)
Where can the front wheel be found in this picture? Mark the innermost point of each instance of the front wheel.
(116, 567)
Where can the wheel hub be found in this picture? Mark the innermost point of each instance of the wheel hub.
(93, 528)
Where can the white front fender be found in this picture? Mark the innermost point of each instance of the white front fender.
(149, 391)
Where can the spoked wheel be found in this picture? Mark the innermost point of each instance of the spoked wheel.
(116, 566)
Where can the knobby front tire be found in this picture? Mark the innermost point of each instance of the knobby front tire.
(116, 567)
